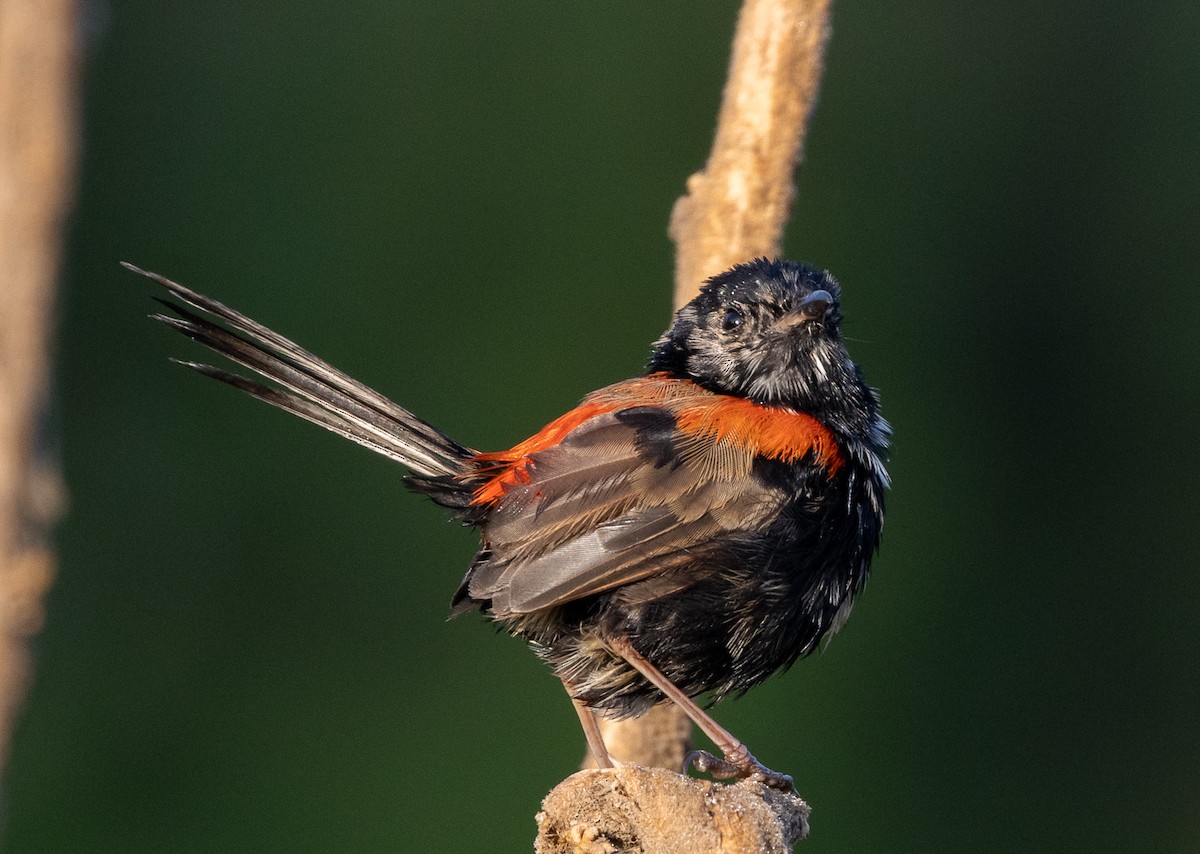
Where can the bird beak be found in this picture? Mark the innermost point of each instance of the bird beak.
(812, 307)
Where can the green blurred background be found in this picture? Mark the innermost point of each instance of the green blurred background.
(465, 205)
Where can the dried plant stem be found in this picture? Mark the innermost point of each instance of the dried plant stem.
(735, 210)
(37, 155)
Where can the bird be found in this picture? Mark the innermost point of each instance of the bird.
(679, 536)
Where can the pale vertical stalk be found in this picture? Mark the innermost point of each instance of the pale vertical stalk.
(38, 91)
(735, 210)
(737, 207)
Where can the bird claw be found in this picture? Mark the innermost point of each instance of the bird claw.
(741, 765)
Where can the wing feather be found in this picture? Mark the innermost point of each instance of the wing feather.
(613, 503)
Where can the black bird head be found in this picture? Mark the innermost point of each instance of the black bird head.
(770, 331)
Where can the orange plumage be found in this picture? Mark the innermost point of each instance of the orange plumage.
(774, 432)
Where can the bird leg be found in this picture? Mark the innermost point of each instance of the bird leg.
(738, 761)
(591, 731)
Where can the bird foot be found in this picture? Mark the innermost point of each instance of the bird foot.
(739, 764)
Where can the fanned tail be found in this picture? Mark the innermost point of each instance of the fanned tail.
(310, 387)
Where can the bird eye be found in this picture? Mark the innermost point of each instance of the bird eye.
(732, 320)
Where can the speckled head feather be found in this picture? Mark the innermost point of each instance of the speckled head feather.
(771, 331)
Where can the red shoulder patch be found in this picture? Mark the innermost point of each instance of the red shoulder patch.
(767, 431)
(505, 469)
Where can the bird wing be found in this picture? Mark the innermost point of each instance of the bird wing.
(612, 493)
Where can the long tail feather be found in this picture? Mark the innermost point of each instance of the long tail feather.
(306, 385)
